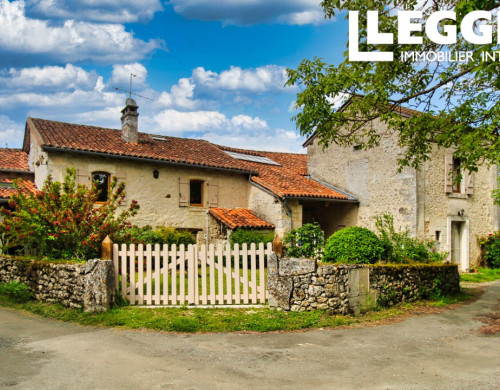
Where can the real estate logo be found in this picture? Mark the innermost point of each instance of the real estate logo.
(474, 29)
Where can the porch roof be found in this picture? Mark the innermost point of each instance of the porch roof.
(239, 218)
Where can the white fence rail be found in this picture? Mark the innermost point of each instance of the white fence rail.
(159, 275)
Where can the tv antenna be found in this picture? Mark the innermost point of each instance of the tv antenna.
(130, 93)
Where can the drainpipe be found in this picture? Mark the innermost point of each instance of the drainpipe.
(207, 235)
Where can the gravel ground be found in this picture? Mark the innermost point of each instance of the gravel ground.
(447, 350)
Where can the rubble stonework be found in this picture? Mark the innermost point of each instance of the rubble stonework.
(87, 285)
(303, 285)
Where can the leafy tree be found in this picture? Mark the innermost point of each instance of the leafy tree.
(459, 101)
(62, 220)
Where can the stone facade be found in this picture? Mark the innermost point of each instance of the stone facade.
(418, 200)
(87, 285)
(303, 285)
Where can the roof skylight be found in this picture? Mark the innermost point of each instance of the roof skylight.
(252, 158)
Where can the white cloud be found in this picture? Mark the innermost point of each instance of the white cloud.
(49, 77)
(248, 12)
(120, 76)
(261, 79)
(74, 101)
(240, 131)
(72, 41)
(195, 121)
(181, 95)
(11, 133)
(111, 11)
(272, 140)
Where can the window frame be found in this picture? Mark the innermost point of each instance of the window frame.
(201, 182)
(108, 175)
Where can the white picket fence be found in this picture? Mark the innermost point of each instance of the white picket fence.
(159, 275)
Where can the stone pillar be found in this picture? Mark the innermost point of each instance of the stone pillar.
(99, 287)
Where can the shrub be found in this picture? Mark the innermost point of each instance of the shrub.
(242, 236)
(490, 248)
(62, 220)
(399, 247)
(19, 292)
(306, 241)
(159, 235)
(353, 245)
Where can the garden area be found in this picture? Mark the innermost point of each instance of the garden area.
(62, 224)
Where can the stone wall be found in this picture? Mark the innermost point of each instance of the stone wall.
(303, 285)
(87, 285)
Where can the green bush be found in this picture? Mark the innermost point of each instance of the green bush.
(242, 236)
(353, 245)
(399, 247)
(62, 220)
(19, 292)
(490, 248)
(159, 235)
(306, 241)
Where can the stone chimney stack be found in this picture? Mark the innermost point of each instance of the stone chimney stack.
(130, 118)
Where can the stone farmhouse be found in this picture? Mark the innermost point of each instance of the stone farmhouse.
(178, 182)
(428, 202)
(212, 189)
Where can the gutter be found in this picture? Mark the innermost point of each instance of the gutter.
(143, 159)
(16, 171)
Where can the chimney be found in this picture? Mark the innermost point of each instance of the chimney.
(129, 121)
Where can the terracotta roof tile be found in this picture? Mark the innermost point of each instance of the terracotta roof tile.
(14, 159)
(26, 185)
(108, 141)
(289, 179)
(239, 218)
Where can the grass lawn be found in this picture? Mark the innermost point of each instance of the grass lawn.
(483, 275)
(227, 319)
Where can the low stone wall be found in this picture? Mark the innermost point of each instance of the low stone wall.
(302, 284)
(87, 285)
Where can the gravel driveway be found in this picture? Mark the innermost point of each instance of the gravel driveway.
(434, 351)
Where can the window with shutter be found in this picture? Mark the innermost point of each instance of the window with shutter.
(196, 193)
(470, 183)
(101, 180)
(213, 194)
(183, 192)
(448, 173)
(82, 177)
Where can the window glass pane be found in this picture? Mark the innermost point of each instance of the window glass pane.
(195, 193)
(102, 182)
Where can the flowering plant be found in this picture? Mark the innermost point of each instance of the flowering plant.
(63, 220)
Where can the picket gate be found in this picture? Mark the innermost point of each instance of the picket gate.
(155, 275)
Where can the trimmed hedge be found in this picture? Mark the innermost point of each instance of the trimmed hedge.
(353, 245)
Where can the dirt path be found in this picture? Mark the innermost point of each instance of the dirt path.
(436, 351)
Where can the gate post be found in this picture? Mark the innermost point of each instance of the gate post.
(107, 249)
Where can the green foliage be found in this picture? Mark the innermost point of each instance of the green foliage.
(306, 241)
(353, 245)
(159, 235)
(399, 247)
(460, 101)
(18, 292)
(490, 249)
(63, 221)
(482, 275)
(242, 236)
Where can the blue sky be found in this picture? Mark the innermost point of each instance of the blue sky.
(213, 69)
